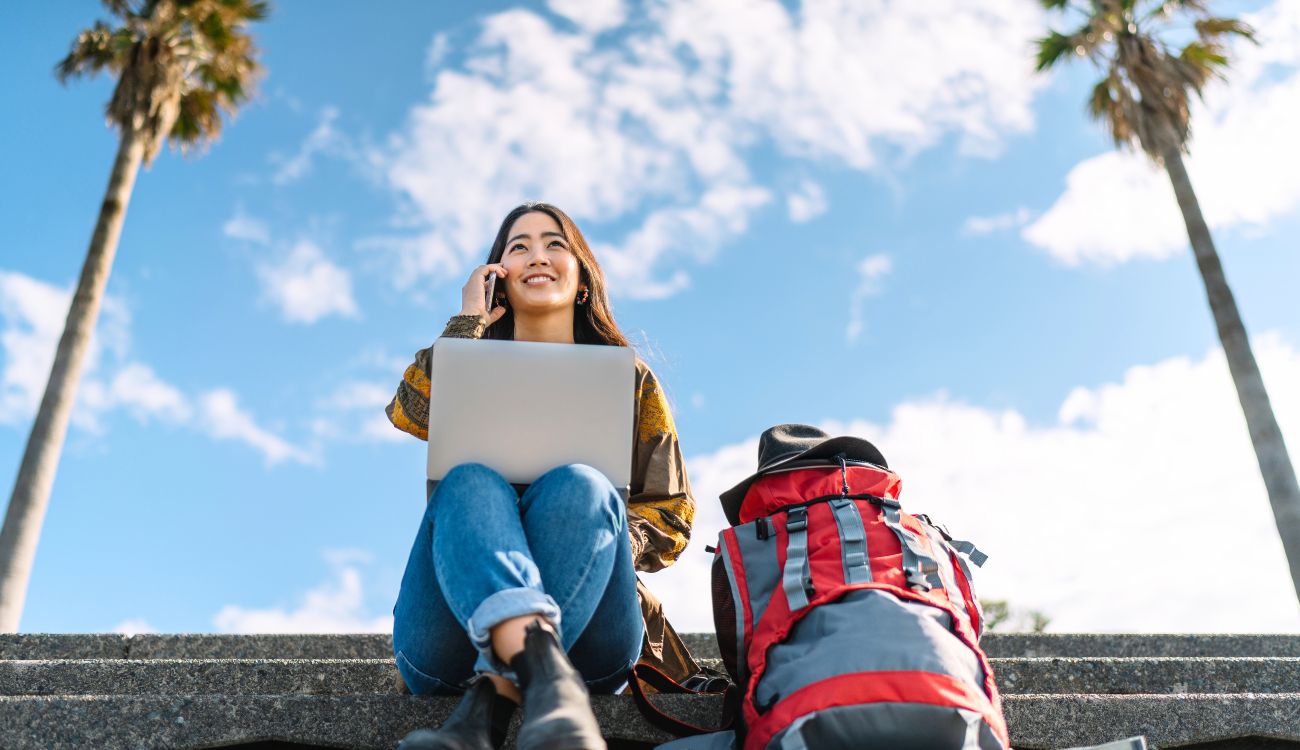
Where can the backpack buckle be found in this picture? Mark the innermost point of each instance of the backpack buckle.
(796, 520)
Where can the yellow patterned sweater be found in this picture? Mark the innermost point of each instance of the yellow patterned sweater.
(660, 507)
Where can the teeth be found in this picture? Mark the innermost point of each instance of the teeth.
(537, 280)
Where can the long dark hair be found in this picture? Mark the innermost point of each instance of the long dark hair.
(593, 322)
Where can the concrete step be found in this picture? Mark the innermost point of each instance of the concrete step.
(341, 691)
(1060, 676)
(703, 645)
(1159, 675)
(1241, 721)
(179, 722)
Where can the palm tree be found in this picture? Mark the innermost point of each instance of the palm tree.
(180, 65)
(1143, 99)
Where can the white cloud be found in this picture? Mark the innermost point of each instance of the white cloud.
(33, 314)
(138, 389)
(438, 50)
(1117, 207)
(306, 286)
(241, 226)
(221, 417)
(1117, 518)
(665, 119)
(696, 230)
(806, 203)
(359, 395)
(997, 223)
(335, 606)
(871, 270)
(361, 404)
(134, 626)
(323, 139)
(593, 16)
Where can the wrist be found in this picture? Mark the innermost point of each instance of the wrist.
(465, 326)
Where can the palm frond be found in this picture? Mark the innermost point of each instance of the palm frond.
(1204, 55)
(1102, 100)
(95, 49)
(1052, 49)
(198, 120)
(181, 65)
(1212, 28)
(119, 8)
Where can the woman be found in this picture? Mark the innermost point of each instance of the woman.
(529, 595)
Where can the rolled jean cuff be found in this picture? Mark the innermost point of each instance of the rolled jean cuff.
(496, 609)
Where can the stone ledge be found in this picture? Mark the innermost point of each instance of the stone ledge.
(380, 677)
(703, 645)
(1038, 722)
(1131, 645)
(1160, 675)
(184, 722)
(365, 722)
(200, 677)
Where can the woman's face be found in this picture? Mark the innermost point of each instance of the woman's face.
(542, 273)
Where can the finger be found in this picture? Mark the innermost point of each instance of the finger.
(499, 268)
(497, 314)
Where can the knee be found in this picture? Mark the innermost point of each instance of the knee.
(579, 490)
(473, 474)
(579, 477)
(474, 483)
(470, 491)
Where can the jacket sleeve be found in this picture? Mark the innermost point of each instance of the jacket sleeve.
(660, 508)
(409, 409)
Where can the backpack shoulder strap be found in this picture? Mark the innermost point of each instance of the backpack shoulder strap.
(645, 675)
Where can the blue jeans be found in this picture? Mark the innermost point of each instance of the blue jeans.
(485, 554)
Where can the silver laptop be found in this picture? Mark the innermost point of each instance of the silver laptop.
(523, 408)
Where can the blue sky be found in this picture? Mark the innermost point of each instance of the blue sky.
(873, 217)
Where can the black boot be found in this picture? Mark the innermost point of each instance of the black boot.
(479, 722)
(557, 708)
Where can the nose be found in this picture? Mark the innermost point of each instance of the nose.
(537, 257)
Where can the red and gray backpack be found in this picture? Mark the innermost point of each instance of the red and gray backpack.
(845, 621)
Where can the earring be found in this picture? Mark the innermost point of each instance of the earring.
(583, 296)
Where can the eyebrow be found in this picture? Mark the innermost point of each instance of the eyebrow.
(526, 236)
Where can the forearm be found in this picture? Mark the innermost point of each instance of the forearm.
(409, 409)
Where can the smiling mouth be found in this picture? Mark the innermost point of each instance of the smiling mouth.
(539, 279)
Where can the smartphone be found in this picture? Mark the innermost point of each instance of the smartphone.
(490, 286)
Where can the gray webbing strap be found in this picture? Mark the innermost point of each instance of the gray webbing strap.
(920, 570)
(970, 550)
(946, 573)
(796, 578)
(967, 553)
(853, 541)
(965, 562)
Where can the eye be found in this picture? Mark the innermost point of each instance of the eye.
(559, 243)
(517, 246)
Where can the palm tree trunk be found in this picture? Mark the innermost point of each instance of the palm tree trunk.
(31, 495)
(1265, 435)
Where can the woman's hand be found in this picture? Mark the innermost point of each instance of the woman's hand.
(473, 298)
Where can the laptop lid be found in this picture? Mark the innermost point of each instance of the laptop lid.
(523, 408)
